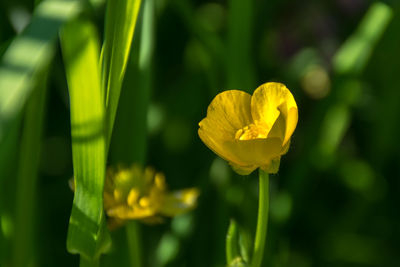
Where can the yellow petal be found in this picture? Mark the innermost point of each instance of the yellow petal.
(278, 130)
(227, 113)
(291, 122)
(179, 202)
(254, 153)
(230, 110)
(269, 101)
(243, 170)
(159, 181)
(144, 202)
(273, 166)
(118, 195)
(132, 197)
(285, 148)
(126, 212)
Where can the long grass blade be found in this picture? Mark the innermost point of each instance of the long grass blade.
(121, 19)
(23, 61)
(141, 88)
(80, 47)
(28, 55)
(132, 114)
(354, 54)
(350, 60)
(8, 159)
(27, 176)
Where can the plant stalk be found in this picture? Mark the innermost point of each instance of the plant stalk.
(262, 221)
(84, 262)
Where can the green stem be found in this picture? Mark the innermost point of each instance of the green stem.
(84, 262)
(262, 221)
(133, 234)
(231, 242)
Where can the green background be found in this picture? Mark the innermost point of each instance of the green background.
(335, 199)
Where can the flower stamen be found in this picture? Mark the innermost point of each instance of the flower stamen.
(251, 131)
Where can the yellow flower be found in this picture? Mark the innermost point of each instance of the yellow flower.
(251, 131)
(137, 193)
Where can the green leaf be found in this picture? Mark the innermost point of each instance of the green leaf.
(121, 19)
(135, 95)
(354, 54)
(27, 176)
(238, 245)
(24, 60)
(232, 240)
(132, 118)
(80, 47)
(245, 244)
(27, 56)
(238, 262)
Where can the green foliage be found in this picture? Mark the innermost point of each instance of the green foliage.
(119, 29)
(334, 200)
(353, 56)
(28, 165)
(232, 240)
(92, 119)
(80, 46)
(27, 57)
(24, 67)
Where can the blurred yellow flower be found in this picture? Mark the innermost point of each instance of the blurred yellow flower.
(137, 193)
(251, 131)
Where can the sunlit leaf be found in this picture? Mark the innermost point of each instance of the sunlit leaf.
(119, 29)
(80, 47)
(28, 55)
(354, 54)
(24, 60)
(132, 117)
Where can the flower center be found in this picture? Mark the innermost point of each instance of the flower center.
(251, 131)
